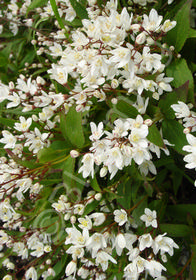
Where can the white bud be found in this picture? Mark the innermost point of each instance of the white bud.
(48, 261)
(71, 268)
(42, 266)
(114, 101)
(40, 80)
(103, 171)
(141, 38)
(155, 95)
(67, 216)
(179, 55)
(74, 153)
(72, 219)
(114, 83)
(98, 196)
(171, 48)
(187, 130)
(148, 122)
(34, 118)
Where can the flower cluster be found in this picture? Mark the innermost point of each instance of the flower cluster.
(128, 141)
(92, 234)
(182, 111)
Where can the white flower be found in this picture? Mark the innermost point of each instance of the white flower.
(149, 218)
(71, 268)
(120, 217)
(97, 131)
(15, 100)
(120, 243)
(24, 124)
(96, 242)
(88, 165)
(98, 218)
(9, 140)
(168, 25)
(7, 277)
(164, 244)
(181, 110)
(152, 22)
(154, 268)
(102, 258)
(31, 274)
(145, 241)
(85, 223)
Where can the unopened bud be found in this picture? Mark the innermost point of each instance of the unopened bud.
(148, 122)
(187, 130)
(48, 261)
(114, 101)
(74, 153)
(141, 38)
(98, 196)
(73, 219)
(103, 171)
(114, 83)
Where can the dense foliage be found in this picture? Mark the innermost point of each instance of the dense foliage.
(98, 139)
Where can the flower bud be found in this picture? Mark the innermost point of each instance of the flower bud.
(98, 196)
(141, 38)
(103, 171)
(148, 122)
(114, 101)
(74, 153)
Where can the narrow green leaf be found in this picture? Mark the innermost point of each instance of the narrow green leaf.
(125, 110)
(48, 154)
(73, 128)
(193, 262)
(79, 9)
(180, 211)
(179, 70)
(36, 4)
(176, 230)
(154, 136)
(68, 170)
(165, 105)
(58, 18)
(8, 122)
(178, 35)
(95, 185)
(173, 132)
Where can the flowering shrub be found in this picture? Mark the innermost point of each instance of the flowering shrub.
(98, 140)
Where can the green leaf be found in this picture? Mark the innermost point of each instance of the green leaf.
(91, 207)
(36, 4)
(58, 18)
(59, 268)
(179, 70)
(178, 35)
(8, 122)
(165, 105)
(68, 170)
(154, 136)
(192, 33)
(176, 230)
(95, 185)
(48, 154)
(125, 110)
(193, 262)
(3, 60)
(79, 9)
(173, 132)
(182, 92)
(73, 128)
(124, 193)
(181, 211)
